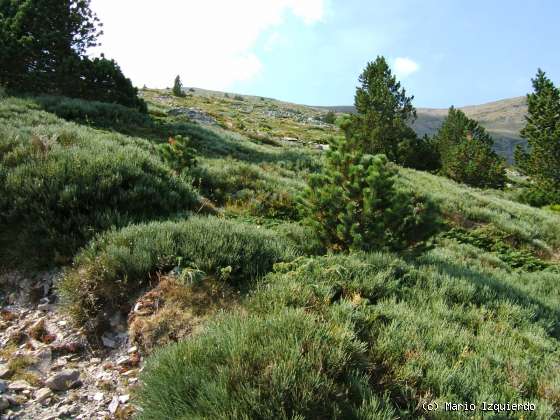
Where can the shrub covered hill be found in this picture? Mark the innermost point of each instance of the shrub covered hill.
(201, 199)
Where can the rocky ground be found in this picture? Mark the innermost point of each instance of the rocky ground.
(48, 370)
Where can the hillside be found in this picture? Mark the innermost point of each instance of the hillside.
(503, 120)
(202, 283)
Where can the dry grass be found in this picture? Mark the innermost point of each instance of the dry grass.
(173, 310)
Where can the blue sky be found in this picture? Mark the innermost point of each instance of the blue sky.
(446, 52)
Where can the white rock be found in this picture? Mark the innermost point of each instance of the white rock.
(123, 399)
(123, 360)
(98, 396)
(133, 349)
(113, 405)
(19, 386)
(42, 394)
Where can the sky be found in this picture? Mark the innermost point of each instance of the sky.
(444, 52)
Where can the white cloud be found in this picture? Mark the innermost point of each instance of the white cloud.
(209, 43)
(404, 67)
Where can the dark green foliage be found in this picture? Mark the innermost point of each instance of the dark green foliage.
(329, 117)
(354, 204)
(60, 188)
(98, 114)
(542, 159)
(383, 112)
(239, 98)
(287, 365)
(422, 154)
(178, 153)
(42, 50)
(118, 264)
(500, 244)
(178, 87)
(466, 152)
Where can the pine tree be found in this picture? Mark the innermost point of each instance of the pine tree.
(383, 117)
(178, 153)
(43, 45)
(542, 130)
(466, 153)
(178, 87)
(354, 203)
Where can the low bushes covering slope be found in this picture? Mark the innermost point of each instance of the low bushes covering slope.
(446, 329)
(60, 183)
(118, 264)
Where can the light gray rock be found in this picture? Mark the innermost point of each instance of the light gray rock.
(19, 385)
(4, 404)
(42, 394)
(4, 371)
(63, 380)
(113, 405)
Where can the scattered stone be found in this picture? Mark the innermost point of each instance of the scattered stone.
(43, 394)
(4, 371)
(113, 405)
(124, 360)
(4, 403)
(63, 380)
(123, 399)
(45, 307)
(19, 385)
(98, 396)
(3, 386)
(133, 349)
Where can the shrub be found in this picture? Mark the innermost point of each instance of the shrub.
(466, 152)
(247, 187)
(239, 98)
(118, 264)
(59, 189)
(449, 327)
(178, 153)
(96, 113)
(329, 117)
(354, 204)
(285, 365)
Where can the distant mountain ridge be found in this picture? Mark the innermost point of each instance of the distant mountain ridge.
(503, 119)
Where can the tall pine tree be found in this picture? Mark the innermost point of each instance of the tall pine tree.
(383, 117)
(542, 130)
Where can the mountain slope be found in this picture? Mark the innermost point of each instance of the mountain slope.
(503, 120)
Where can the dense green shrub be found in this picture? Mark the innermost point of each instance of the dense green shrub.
(60, 187)
(247, 186)
(355, 205)
(287, 365)
(96, 113)
(454, 326)
(118, 264)
(466, 152)
(178, 153)
(499, 243)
